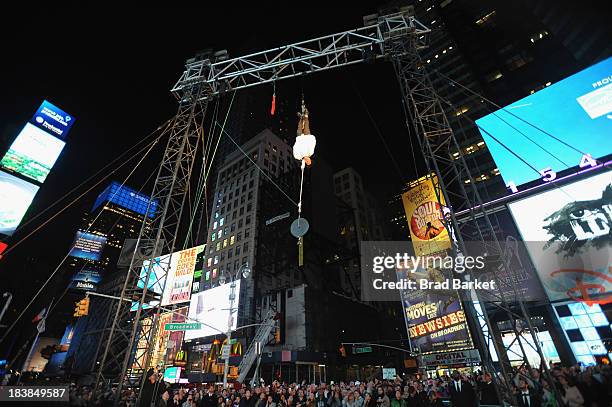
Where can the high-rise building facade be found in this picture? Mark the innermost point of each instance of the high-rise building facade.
(231, 240)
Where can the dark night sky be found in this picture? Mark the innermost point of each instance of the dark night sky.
(111, 67)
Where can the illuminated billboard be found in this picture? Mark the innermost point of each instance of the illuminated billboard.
(33, 153)
(552, 128)
(180, 267)
(53, 120)
(15, 198)
(568, 231)
(88, 246)
(211, 308)
(86, 279)
(180, 276)
(424, 216)
(127, 198)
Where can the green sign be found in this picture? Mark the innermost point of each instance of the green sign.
(182, 326)
(362, 349)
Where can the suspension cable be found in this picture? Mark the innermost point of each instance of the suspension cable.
(13, 246)
(512, 114)
(151, 146)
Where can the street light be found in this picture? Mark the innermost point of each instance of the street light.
(243, 272)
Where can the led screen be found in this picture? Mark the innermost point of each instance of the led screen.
(53, 120)
(569, 238)
(86, 279)
(33, 153)
(171, 275)
(15, 198)
(127, 198)
(211, 308)
(576, 111)
(88, 246)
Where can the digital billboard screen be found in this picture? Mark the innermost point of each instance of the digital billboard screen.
(177, 269)
(127, 198)
(552, 128)
(88, 246)
(180, 276)
(568, 235)
(15, 198)
(52, 119)
(86, 279)
(33, 153)
(211, 308)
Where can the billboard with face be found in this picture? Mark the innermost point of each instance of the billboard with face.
(211, 308)
(568, 231)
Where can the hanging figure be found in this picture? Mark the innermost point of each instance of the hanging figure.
(305, 142)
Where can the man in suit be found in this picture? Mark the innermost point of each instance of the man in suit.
(210, 398)
(461, 392)
(526, 396)
(488, 395)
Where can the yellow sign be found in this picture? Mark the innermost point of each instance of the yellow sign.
(425, 217)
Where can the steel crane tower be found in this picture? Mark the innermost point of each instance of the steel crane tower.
(396, 37)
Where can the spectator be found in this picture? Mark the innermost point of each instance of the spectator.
(164, 399)
(398, 401)
(570, 393)
(488, 394)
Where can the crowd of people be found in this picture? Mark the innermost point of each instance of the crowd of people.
(572, 387)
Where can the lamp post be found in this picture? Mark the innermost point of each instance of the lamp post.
(243, 271)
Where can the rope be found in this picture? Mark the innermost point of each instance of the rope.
(87, 230)
(512, 114)
(301, 188)
(81, 184)
(258, 168)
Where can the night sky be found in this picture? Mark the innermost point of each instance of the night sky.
(111, 67)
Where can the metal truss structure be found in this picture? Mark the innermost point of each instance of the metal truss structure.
(397, 37)
(125, 346)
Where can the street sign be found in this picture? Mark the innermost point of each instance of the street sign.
(362, 349)
(225, 352)
(182, 326)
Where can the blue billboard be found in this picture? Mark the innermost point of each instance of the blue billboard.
(127, 198)
(88, 246)
(86, 279)
(551, 130)
(53, 120)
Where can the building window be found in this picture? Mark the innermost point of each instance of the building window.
(249, 207)
(224, 243)
(247, 233)
(239, 236)
(237, 250)
(221, 221)
(214, 273)
(248, 220)
(216, 260)
(215, 225)
(209, 262)
(231, 240)
(245, 248)
(207, 275)
(218, 247)
(230, 253)
(219, 234)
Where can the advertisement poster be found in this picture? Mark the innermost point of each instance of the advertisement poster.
(576, 110)
(180, 276)
(88, 246)
(33, 153)
(167, 343)
(53, 120)
(15, 198)
(87, 280)
(424, 216)
(568, 234)
(435, 319)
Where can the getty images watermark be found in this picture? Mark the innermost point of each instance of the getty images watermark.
(389, 269)
(408, 264)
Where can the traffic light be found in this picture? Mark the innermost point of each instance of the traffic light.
(342, 351)
(277, 336)
(82, 308)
